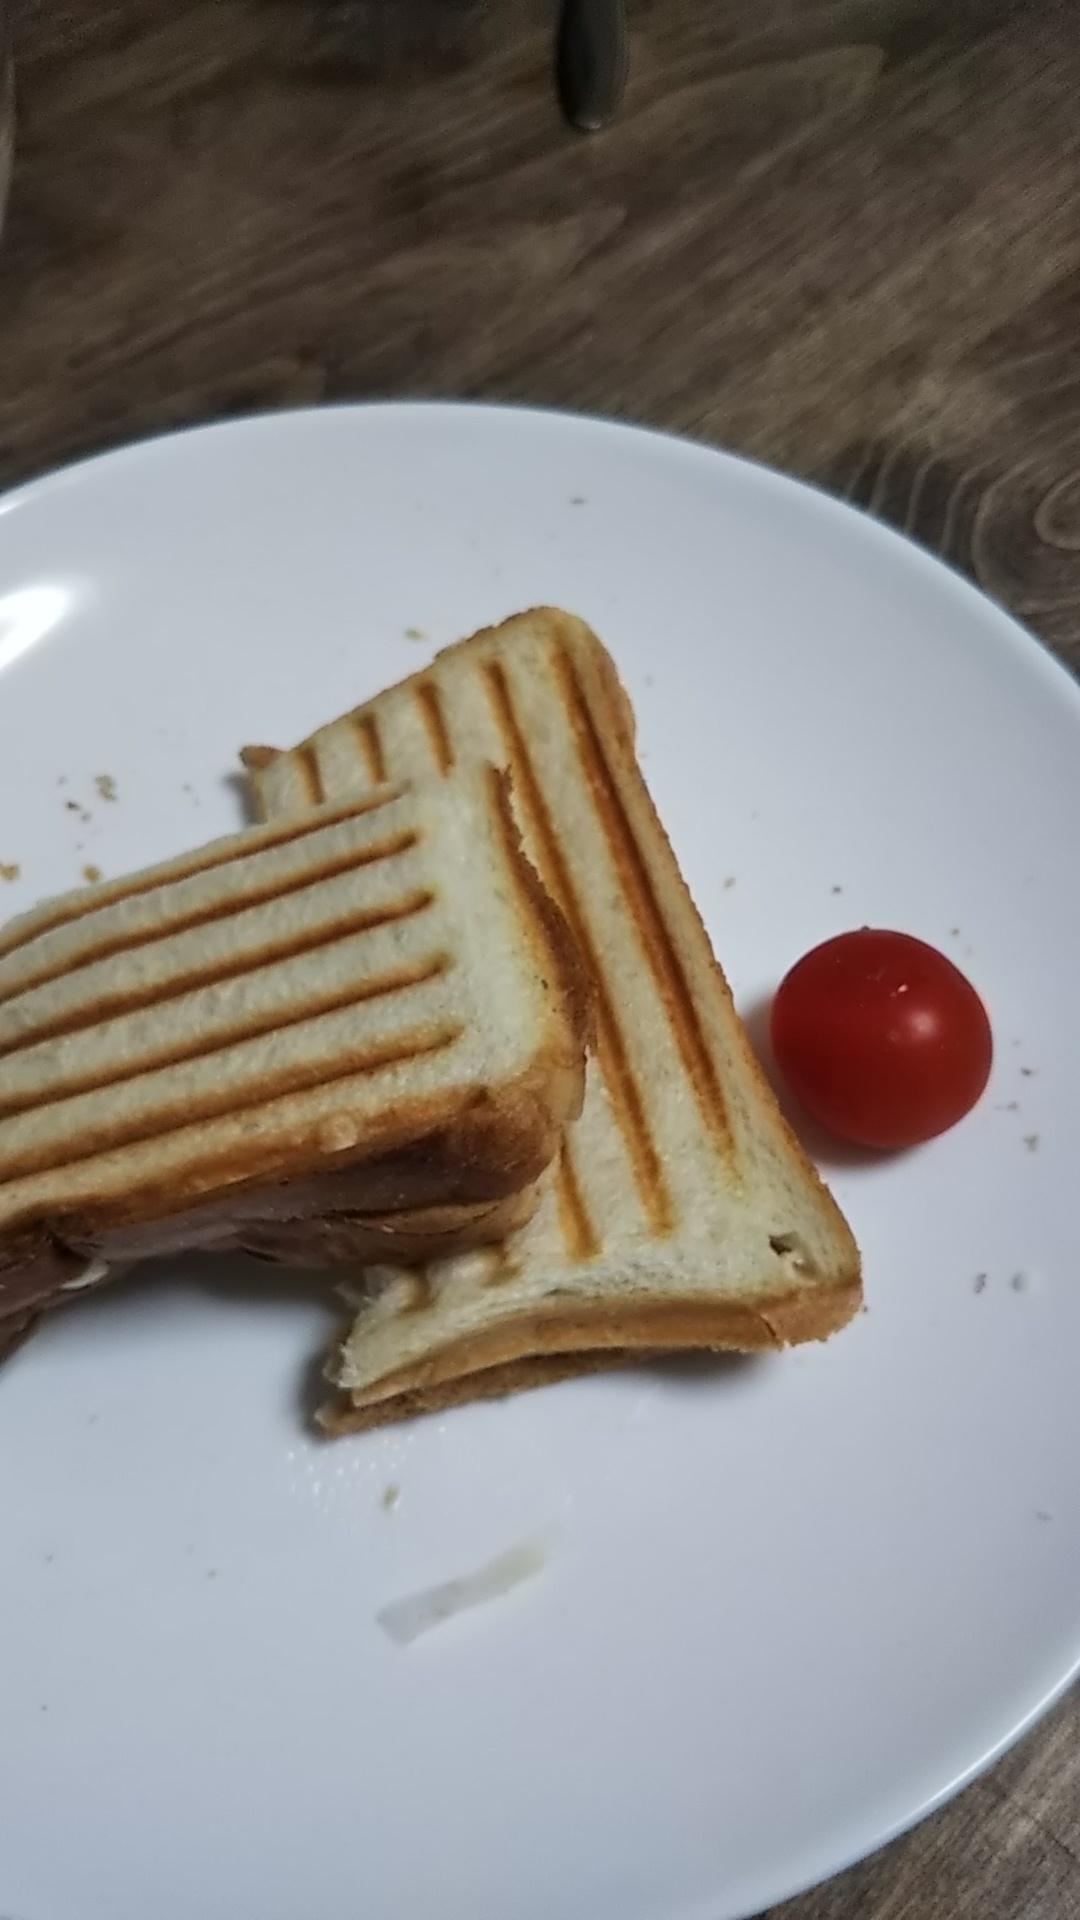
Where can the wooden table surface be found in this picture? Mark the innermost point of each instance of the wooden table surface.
(840, 235)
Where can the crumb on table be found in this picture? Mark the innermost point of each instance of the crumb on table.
(92, 874)
(391, 1496)
(9, 870)
(415, 633)
(105, 785)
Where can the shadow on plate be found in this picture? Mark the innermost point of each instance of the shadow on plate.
(232, 1278)
(239, 1279)
(239, 786)
(825, 1149)
(697, 1372)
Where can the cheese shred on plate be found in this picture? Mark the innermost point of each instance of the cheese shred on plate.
(406, 1619)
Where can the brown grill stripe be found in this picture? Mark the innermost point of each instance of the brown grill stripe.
(105, 949)
(368, 739)
(214, 1043)
(419, 1290)
(578, 1233)
(282, 834)
(499, 1267)
(430, 707)
(219, 1106)
(634, 877)
(611, 1048)
(307, 765)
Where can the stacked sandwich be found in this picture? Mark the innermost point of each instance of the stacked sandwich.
(449, 1021)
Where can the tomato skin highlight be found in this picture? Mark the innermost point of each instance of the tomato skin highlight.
(884, 1041)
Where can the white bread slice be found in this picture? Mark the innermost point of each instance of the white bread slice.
(380, 990)
(682, 1211)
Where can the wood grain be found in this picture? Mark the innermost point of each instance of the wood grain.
(840, 235)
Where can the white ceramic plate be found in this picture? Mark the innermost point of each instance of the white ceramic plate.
(791, 1604)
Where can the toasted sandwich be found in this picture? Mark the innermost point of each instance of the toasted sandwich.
(681, 1211)
(356, 1033)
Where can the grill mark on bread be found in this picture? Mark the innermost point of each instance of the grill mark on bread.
(252, 1029)
(499, 1265)
(429, 705)
(105, 1139)
(284, 834)
(579, 1237)
(307, 764)
(626, 1101)
(111, 1006)
(635, 880)
(417, 1290)
(366, 731)
(223, 909)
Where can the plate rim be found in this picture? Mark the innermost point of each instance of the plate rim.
(85, 467)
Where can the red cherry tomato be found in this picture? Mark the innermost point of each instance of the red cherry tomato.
(882, 1038)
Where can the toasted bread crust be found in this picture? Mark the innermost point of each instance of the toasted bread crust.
(541, 1348)
(598, 1326)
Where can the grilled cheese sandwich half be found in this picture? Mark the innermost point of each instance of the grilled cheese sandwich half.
(360, 1030)
(681, 1211)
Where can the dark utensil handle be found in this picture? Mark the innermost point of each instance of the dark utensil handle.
(590, 60)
